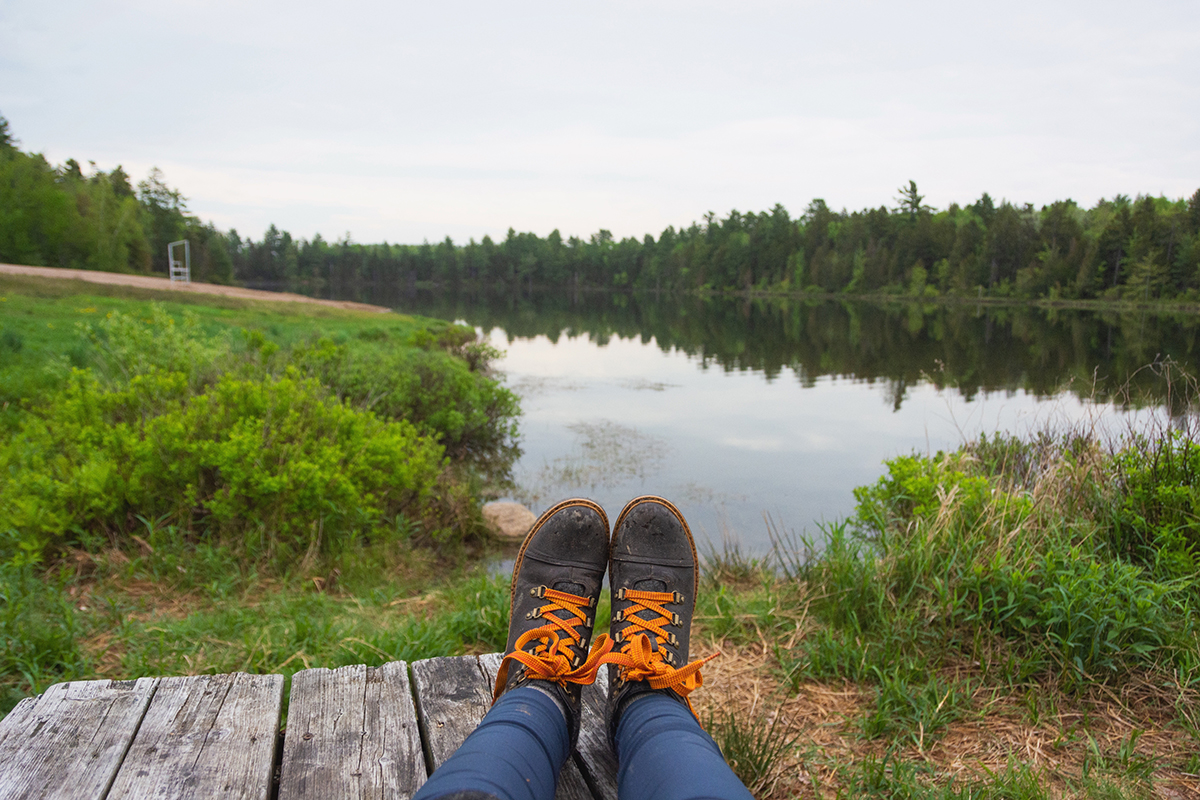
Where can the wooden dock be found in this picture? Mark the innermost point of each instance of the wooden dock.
(353, 732)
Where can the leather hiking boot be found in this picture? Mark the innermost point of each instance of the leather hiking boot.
(653, 576)
(555, 588)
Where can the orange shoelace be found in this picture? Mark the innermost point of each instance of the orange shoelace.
(550, 658)
(638, 659)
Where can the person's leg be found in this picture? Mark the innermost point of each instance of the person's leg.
(514, 754)
(522, 743)
(662, 751)
(664, 754)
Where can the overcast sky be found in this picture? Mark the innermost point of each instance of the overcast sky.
(407, 121)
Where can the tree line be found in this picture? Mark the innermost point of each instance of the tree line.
(69, 216)
(1142, 248)
(1099, 355)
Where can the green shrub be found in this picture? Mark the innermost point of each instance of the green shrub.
(274, 466)
(916, 488)
(1100, 617)
(261, 453)
(1000, 550)
(473, 416)
(125, 347)
(1156, 519)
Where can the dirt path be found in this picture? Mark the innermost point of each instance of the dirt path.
(163, 284)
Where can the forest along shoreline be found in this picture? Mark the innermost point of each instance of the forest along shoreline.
(1141, 249)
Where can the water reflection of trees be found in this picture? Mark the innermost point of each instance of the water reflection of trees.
(1100, 355)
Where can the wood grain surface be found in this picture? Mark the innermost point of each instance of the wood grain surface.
(352, 733)
(205, 736)
(596, 758)
(70, 742)
(452, 697)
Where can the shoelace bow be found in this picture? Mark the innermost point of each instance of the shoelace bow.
(638, 659)
(550, 658)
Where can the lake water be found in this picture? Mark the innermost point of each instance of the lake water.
(736, 409)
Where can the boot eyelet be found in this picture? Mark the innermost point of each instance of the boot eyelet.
(621, 593)
(619, 616)
(672, 640)
(678, 597)
(678, 620)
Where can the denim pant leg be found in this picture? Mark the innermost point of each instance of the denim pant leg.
(664, 754)
(514, 754)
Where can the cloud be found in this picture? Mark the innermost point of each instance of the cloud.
(413, 121)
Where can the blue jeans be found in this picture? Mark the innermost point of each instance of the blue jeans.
(519, 747)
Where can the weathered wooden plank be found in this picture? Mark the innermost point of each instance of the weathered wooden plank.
(452, 697)
(490, 664)
(352, 733)
(596, 758)
(69, 742)
(571, 782)
(205, 736)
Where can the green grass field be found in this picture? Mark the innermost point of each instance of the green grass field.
(285, 552)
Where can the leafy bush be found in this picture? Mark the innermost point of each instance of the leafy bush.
(473, 416)
(1156, 520)
(1037, 548)
(915, 487)
(273, 466)
(125, 347)
(1100, 617)
(264, 454)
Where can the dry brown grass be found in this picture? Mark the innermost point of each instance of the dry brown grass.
(746, 681)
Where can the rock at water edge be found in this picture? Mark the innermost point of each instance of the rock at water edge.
(509, 521)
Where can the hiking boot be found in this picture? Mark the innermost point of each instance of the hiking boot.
(653, 577)
(555, 588)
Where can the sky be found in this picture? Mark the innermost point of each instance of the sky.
(407, 121)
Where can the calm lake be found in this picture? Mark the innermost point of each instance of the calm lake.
(738, 409)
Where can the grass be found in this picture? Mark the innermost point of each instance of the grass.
(754, 747)
(138, 591)
(112, 616)
(1015, 619)
(40, 339)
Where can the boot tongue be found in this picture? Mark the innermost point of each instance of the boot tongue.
(650, 585)
(571, 588)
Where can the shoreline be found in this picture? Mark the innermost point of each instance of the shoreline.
(165, 284)
(1049, 304)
